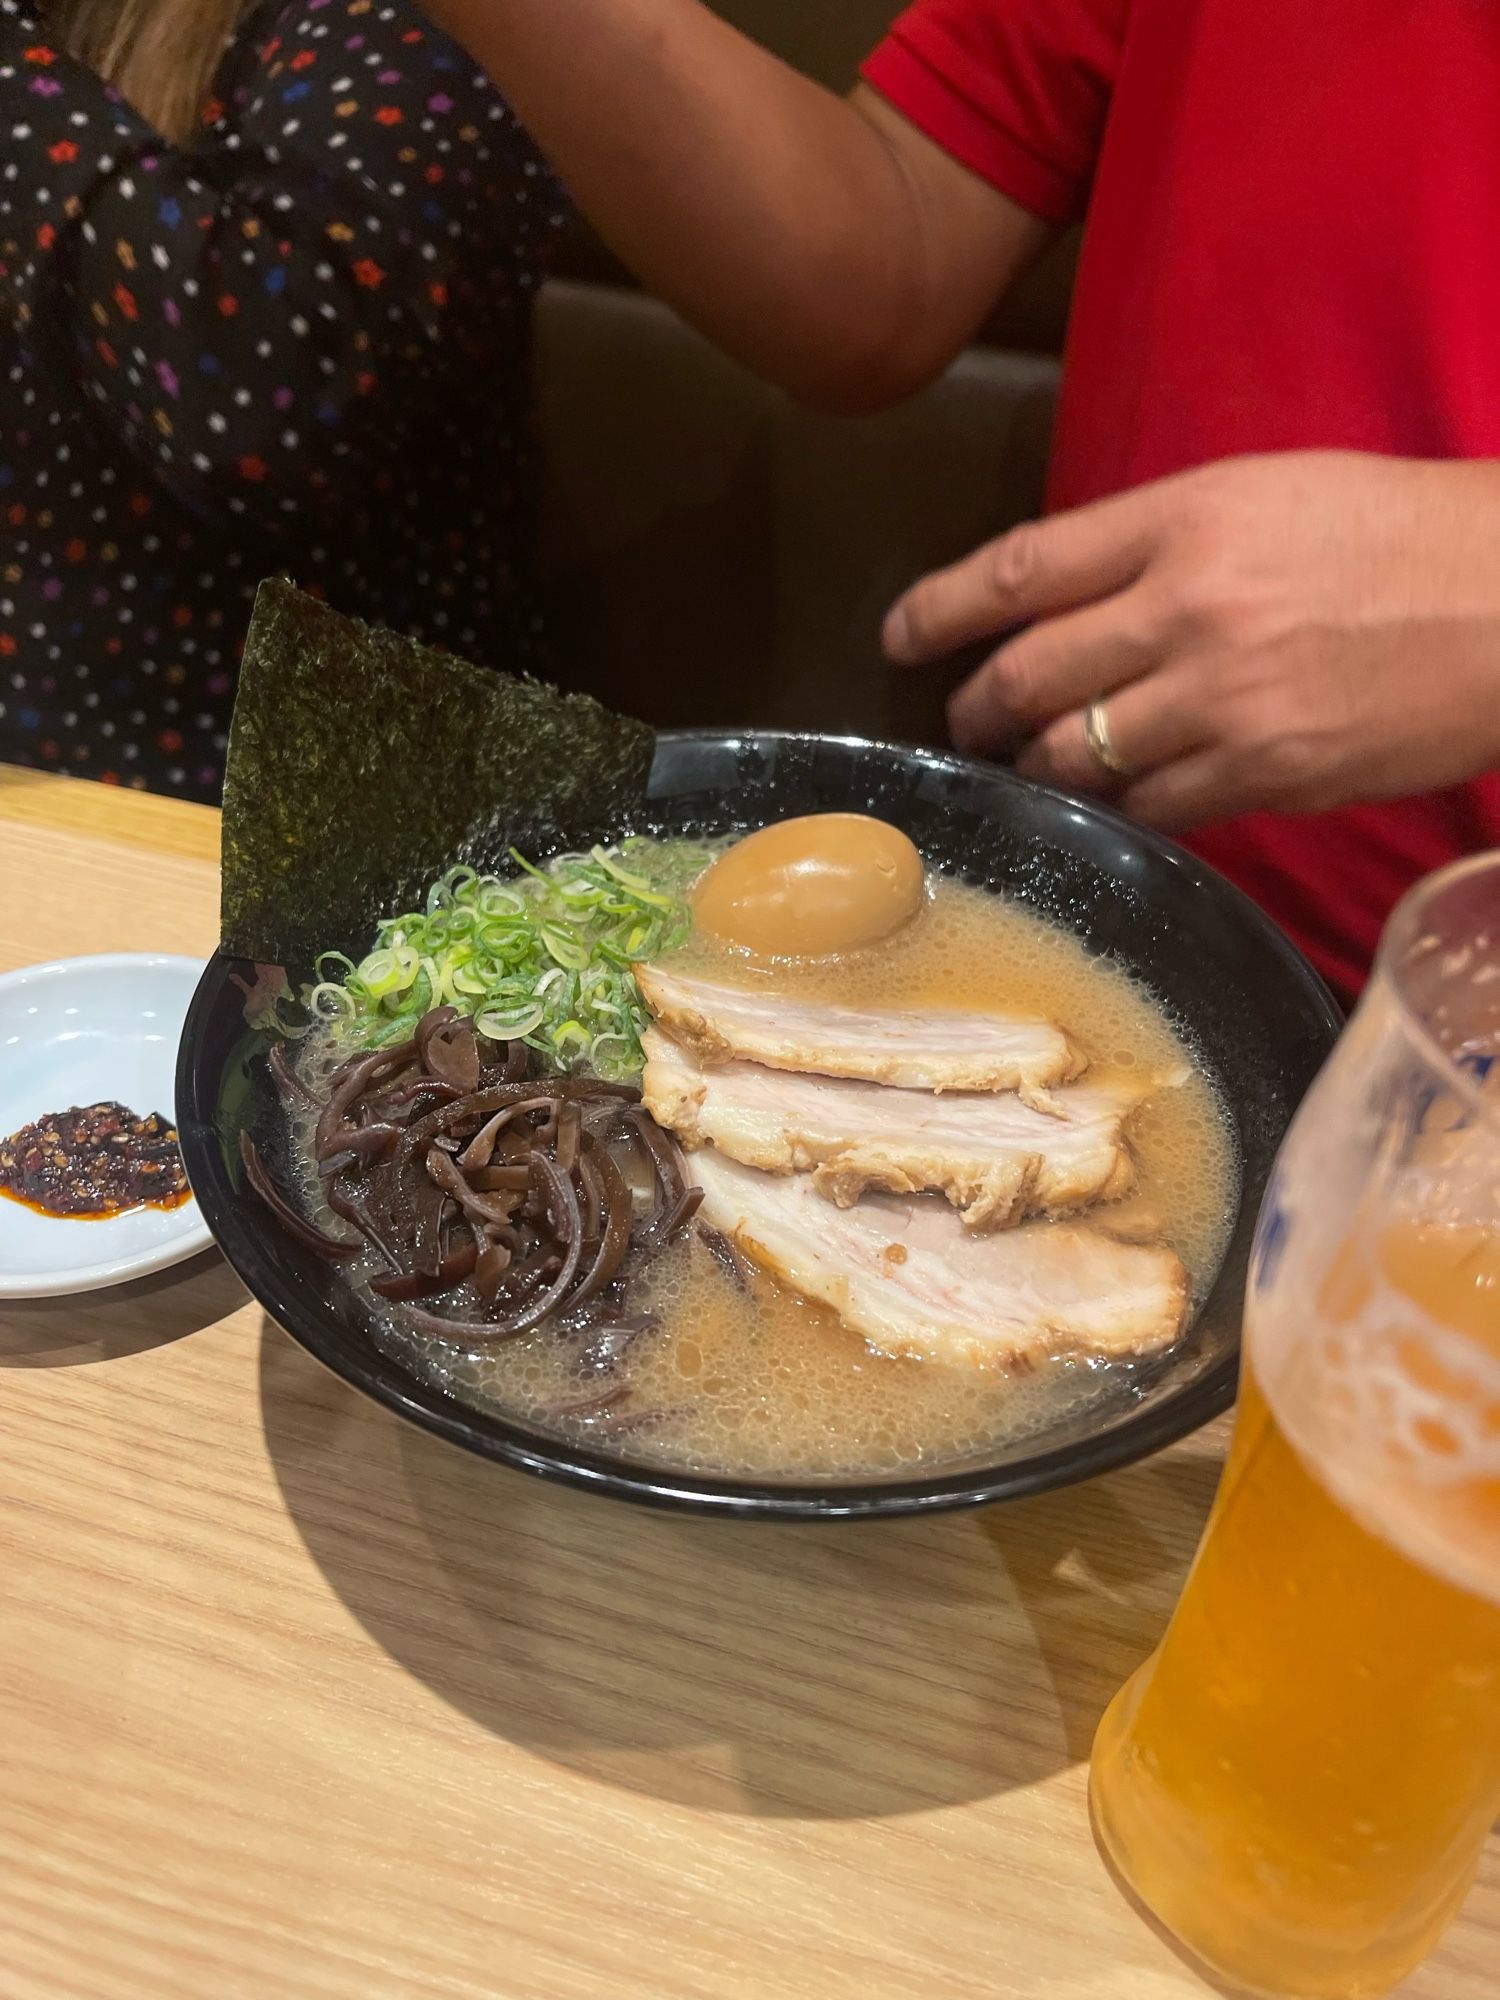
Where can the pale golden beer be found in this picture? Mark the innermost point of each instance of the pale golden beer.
(1300, 1781)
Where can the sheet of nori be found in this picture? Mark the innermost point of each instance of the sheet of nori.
(361, 765)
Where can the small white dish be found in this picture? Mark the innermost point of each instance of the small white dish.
(79, 1031)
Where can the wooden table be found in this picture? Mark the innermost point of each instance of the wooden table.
(301, 1704)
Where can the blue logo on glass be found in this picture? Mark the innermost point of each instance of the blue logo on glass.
(1271, 1234)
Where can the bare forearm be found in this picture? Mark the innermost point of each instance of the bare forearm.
(784, 221)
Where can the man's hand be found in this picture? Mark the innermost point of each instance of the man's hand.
(1297, 632)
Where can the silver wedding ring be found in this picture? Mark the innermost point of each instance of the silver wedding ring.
(1100, 743)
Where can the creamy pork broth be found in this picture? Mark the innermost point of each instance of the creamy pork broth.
(753, 1380)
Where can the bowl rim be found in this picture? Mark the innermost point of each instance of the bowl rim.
(1136, 1434)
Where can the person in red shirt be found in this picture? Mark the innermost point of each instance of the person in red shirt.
(1264, 608)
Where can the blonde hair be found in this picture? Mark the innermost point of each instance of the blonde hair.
(160, 55)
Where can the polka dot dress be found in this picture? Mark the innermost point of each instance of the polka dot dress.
(297, 347)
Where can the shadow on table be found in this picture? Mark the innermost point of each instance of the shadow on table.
(123, 1320)
(776, 1669)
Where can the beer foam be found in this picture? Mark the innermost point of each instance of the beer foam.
(1397, 1415)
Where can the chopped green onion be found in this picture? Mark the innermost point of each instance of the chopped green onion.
(514, 1026)
(386, 971)
(572, 1038)
(331, 1001)
(546, 956)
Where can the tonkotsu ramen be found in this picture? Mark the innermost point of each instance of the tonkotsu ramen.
(780, 1156)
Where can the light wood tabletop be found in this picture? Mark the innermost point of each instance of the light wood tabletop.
(301, 1704)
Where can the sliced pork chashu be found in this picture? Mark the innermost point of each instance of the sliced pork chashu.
(994, 1157)
(918, 1050)
(913, 1281)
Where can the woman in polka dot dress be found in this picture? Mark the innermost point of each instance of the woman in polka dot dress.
(295, 342)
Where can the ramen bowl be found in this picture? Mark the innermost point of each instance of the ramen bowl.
(1255, 1015)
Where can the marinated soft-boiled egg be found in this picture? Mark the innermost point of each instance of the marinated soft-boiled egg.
(811, 887)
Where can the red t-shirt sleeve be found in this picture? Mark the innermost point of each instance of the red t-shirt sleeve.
(1015, 89)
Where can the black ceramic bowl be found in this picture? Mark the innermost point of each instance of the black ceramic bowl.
(1259, 1018)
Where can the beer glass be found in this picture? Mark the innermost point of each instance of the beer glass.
(1299, 1781)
